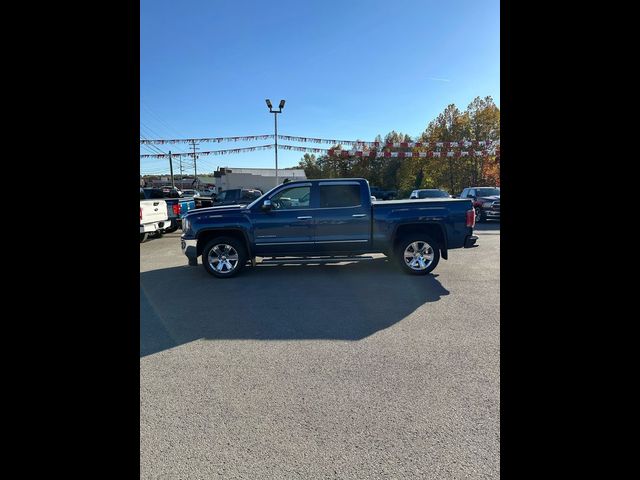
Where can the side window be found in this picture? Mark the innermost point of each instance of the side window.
(332, 196)
(222, 196)
(472, 193)
(464, 193)
(295, 197)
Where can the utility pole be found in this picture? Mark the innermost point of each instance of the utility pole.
(173, 184)
(195, 166)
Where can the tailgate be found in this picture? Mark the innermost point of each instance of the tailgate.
(153, 211)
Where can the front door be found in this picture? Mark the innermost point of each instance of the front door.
(288, 228)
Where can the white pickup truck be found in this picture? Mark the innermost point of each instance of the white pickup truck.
(153, 215)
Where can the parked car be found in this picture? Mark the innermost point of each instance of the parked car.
(171, 192)
(429, 193)
(383, 194)
(324, 221)
(207, 192)
(486, 201)
(177, 207)
(190, 193)
(236, 196)
(153, 216)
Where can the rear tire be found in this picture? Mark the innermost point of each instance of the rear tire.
(418, 254)
(170, 229)
(143, 237)
(224, 257)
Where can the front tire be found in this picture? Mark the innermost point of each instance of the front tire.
(480, 217)
(418, 254)
(224, 257)
(143, 237)
(170, 229)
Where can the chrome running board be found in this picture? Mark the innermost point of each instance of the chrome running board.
(306, 260)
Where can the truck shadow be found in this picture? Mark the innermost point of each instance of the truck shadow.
(334, 302)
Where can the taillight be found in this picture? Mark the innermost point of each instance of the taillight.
(176, 209)
(140, 213)
(471, 218)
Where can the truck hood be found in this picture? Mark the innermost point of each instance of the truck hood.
(490, 198)
(216, 210)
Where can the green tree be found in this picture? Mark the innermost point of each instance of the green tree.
(310, 166)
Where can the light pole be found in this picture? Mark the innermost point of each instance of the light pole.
(275, 119)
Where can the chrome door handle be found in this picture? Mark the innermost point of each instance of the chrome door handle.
(304, 218)
(359, 215)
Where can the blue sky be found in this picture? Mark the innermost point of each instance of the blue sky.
(347, 69)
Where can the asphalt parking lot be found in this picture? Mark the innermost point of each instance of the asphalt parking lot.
(338, 371)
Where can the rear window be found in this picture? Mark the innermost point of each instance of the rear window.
(432, 194)
(339, 196)
(153, 193)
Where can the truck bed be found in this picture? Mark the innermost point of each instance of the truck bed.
(450, 213)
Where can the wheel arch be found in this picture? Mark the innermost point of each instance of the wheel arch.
(433, 229)
(208, 234)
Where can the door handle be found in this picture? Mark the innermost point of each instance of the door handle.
(304, 218)
(359, 215)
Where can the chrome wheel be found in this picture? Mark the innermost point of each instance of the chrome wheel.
(418, 255)
(223, 258)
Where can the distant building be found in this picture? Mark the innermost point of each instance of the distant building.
(227, 178)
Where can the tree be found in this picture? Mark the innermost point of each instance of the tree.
(480, 121)
(310, 166)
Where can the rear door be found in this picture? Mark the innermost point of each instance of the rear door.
(343, 219)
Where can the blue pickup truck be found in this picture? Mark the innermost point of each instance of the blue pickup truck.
(327, 221)
(177, 207)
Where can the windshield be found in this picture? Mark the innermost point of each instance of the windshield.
(432, 194)
(487, 192)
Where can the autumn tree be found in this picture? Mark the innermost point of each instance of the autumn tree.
(480, 121)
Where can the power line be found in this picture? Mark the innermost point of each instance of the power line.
(165, 124)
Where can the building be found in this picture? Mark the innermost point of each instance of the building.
(227, 178)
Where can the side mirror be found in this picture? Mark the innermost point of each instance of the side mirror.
(266, 205)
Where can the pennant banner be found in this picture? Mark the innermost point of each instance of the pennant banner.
(457, 144)
(245, 138)
(212, 152)
(328, 151)
(380, 154)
